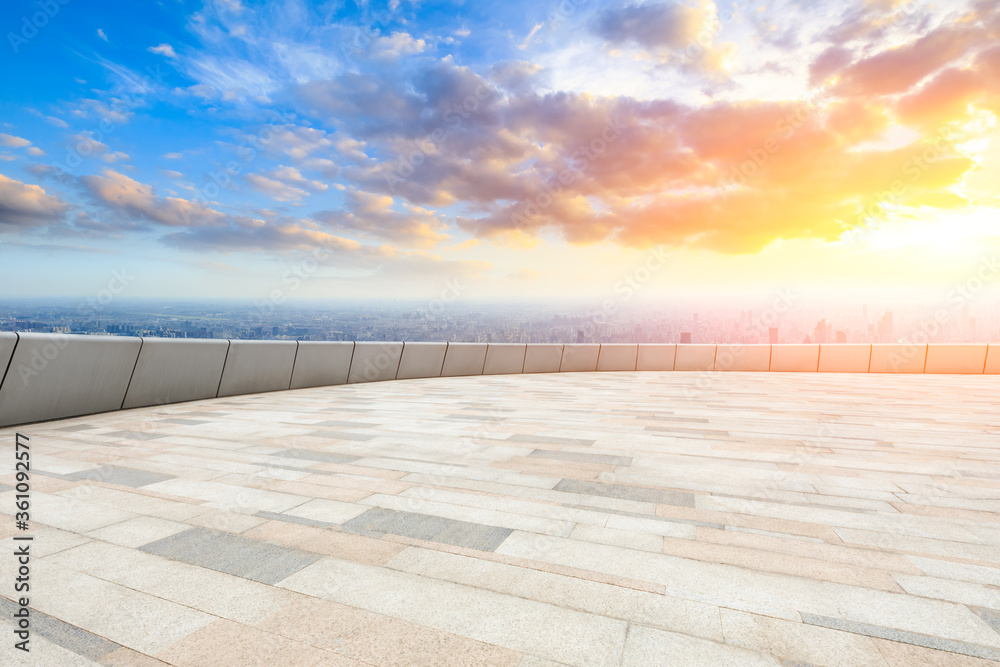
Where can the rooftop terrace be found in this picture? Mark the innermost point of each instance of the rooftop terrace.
(611, 518)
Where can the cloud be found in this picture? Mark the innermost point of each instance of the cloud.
(654, 25)
(23, 206)
(163, 50)
(13, 142)
(100, 33)
(897, 70)
(373, 216)
(285, 184)
(396, 45)
(132, 199)
(275, 189)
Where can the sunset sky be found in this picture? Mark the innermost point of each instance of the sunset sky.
(516, 149)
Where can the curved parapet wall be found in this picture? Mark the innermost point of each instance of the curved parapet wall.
(55, 376)
(52, 376)
(173, 370)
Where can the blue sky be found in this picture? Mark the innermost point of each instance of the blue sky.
(521, 148)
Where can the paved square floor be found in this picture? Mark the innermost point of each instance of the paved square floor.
(526, 520)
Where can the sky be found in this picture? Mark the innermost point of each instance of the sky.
(497, 150)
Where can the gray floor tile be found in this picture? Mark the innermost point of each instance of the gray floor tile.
(313, 455)
(121, 476)
(232, 554)
(68, 636)
(425, 527)
(627, 492)
(917, 639)
(185, 422)
(294, 519)
(990, 616)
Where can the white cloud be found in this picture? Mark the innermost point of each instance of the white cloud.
(163, 50)
(13, 142)
(23, 205)
(100, 33)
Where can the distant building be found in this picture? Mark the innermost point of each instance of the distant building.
(841, 337)
(772, 335)
(686, 337)
(885, 328)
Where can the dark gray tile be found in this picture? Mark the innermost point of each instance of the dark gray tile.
(121, 476)
(583, 458)
(78, 427)
(185, 422)
(990, 616)
(915, 638)
(627, 492)
(313, 455)
(425, 527)
(340, 435)
(133, 435)
(68, 636)
(294, 519)
(549, 440)
(57, 475)
(232, 554)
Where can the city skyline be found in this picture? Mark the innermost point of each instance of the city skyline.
(330, 150)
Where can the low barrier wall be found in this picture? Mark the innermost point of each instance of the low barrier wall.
(52, 376)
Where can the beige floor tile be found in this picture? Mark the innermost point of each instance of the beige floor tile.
(226, 642)
(380, 640)
(346, 546)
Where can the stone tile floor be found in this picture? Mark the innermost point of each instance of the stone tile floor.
(532, 520)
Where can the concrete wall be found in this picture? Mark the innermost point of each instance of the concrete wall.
(743, 358)
(993, 360)
(504, 358)
(464, 359)
(616, 357)
(8, 340)
(898, 358)
(795, 358)
(844, 358)
(580, 357)
(968, 358)
(421, 360)
(56, 376)
(254, 366)
(694, 358)
(542, 358)
(374, 362)
(172, 370)
(655, 357)
(322, 363)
